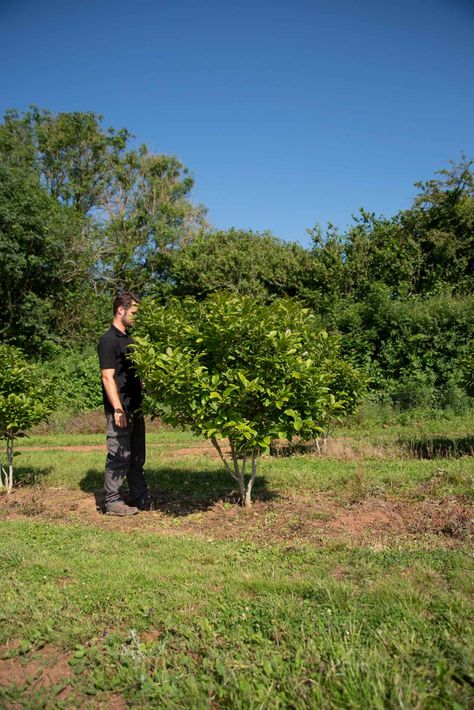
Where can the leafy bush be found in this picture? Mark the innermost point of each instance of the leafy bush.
(416, 350)
(415, 390)
(247, 263)
(76, 379)
(25, 400)
(229, 367)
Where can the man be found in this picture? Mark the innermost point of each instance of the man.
(122, 395)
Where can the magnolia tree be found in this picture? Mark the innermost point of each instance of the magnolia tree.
(25, 400)
(228, 367)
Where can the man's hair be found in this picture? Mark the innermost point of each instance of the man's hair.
(125, 299)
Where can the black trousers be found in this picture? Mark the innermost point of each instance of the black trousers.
(125, 459)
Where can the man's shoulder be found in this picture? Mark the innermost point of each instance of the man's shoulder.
(108, 336)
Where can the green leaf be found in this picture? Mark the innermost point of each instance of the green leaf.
(243, 379)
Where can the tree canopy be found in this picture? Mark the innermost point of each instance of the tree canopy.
(26, 399)
(86, 210)
(228, 367)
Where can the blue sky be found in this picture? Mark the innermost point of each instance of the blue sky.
(287, 113)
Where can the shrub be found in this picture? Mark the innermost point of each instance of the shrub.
(229, 367)
(76, 379)
(25, 400)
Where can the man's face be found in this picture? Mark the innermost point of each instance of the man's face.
(127, 315)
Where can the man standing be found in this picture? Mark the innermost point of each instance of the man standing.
(122, 395)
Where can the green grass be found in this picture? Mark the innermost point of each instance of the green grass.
(238, 626)
(169, 621)
(160, 437)
(451, 427)
(199, 475)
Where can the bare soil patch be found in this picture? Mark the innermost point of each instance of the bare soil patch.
(295, 518)
(47, 668)
(114, 702)
(44, 668)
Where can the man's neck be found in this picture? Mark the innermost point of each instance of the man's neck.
(118, 324)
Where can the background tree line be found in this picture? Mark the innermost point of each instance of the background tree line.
(85, 211)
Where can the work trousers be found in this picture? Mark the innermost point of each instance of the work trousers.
(125, 459)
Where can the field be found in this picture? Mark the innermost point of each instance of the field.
(348, 584)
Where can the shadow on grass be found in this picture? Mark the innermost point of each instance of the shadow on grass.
(435, 447)
(30, 475)
(182, 491)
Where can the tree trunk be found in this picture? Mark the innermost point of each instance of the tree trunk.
(248, 491)
(235, 473)
(238, 472)
(10, 464)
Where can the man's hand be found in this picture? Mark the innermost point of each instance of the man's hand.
(120, 418)
(110, 386)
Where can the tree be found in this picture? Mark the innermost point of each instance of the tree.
(243, 262)
(441, 221)
(228, 367)
(37, 260)
(48, 248)
(150, 216)
(82, 214)
(76, 155)
(25, 400)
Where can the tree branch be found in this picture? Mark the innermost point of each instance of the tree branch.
(224, 460)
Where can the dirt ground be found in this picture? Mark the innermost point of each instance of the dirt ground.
(291, 518)
(46, 668)
(296, 519)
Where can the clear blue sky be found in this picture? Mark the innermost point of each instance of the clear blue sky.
(287, 112)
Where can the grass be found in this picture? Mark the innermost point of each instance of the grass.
(196, 475)
(174, 618)
(186, 623)
(163, 437)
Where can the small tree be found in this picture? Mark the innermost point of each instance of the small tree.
(25, 400)
(229, 367)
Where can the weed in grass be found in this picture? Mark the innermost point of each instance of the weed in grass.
(443, 482)
(29, 475)
(11, 556)
(31, 508)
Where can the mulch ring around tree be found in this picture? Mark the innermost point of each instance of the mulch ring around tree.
(292, 518)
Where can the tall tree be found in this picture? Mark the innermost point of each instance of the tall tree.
(82, 213)
(77, 156)
(39, 252)
(240, 261)
(442, 223)
(150, 215)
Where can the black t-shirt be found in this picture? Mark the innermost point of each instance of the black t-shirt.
(113, 349)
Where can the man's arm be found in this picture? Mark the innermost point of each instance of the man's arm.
(111, 390)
